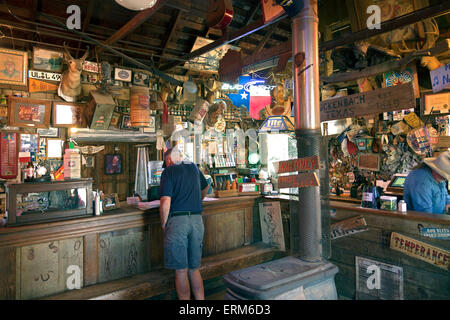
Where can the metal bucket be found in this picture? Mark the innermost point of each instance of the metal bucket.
(140, 107)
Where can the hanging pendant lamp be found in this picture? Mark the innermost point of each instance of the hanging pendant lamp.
(137, 4)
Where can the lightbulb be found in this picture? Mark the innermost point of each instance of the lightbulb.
(137, 4)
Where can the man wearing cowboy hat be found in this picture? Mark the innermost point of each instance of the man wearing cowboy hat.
(425, 188)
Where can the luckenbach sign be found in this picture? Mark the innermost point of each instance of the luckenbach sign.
(366, 103)
(301, 180)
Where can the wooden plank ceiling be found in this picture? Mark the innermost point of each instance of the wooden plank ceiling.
(156, 38)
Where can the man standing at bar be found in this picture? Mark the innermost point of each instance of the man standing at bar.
(183, 187)
(425, 188)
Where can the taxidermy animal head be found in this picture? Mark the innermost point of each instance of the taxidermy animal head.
(70, 86)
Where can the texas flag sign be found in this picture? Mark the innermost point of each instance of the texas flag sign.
(253, 94)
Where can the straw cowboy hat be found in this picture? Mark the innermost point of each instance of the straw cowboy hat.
(440, 164)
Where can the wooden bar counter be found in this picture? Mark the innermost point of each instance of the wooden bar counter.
(421, 280)
(119, 255)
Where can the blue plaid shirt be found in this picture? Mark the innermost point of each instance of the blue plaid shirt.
(422, 193)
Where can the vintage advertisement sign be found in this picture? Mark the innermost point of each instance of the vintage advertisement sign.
(303, 164)
(420, 250)
(440, 78)
(436, 233)
(347, 227)
(366, 103)
(42, 75)
(9, 151)
(302, 180)
(377, 280)
(89, 66)
(41, 86)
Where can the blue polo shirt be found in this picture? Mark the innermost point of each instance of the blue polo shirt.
(422, 193)
(183, 184)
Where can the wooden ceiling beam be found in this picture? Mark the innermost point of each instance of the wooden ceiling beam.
(267, 36)
(173, 23)
(227, 38)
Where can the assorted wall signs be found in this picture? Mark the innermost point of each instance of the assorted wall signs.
(347, 227)
(301, 180)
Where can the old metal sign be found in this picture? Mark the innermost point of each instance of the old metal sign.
(421, 250)
(347, 227)
(303, 164)
(42, 75)
(440, 78)
(302, 180)
(436, 233)
(89, 66)
(366, 103)
(377, 280)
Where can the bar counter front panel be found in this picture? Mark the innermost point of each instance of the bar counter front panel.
(36, 259)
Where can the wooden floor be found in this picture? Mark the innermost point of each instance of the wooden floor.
(159, 285)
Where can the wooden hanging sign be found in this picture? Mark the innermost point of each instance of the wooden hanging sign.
(347, 227)
(302, 180)
(366, 103)
(421, 250)
(303, 164)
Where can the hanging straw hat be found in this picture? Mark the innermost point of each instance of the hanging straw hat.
(440, 164)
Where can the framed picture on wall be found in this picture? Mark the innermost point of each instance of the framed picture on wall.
(48, 133)
(55, 148)
(122, 74)
(13, 67)
(47, 60)
(115, 121)
(141, 79)
(26, 112)
(126, 123)
(113, 164)
(70, 115)
(435, 103)
(29, 142)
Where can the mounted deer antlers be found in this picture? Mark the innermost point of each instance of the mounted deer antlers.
(70, 86)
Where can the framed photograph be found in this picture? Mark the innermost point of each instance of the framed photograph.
(47, 60)
(438, 102)
(113, 164)
(42, 153)
(89, 161)
(110, 201)
(69, 115)
(152, 125)
(122, 74)
(29, 142)
(48, 133)
(55, 148)
(26, 112)
(13, 67)
(141, 79)
(126, 123)
(115, 121)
